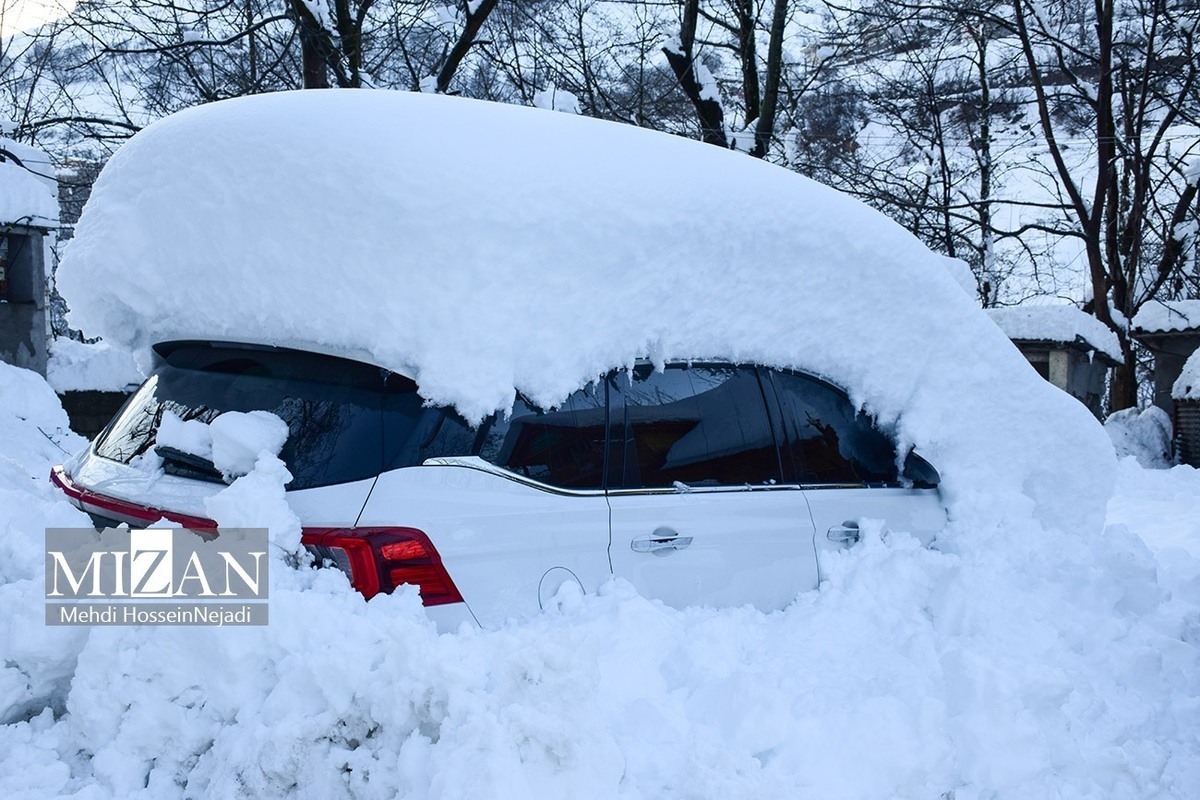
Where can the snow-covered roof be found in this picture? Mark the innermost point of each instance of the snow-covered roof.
(1187, 385)
(28, 193)
(1167, 316)
(1058, 324)
(485, 248)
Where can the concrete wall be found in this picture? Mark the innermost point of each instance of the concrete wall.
(1171, 351)
(24, 339)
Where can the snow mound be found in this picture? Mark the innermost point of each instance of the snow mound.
(36, 662)
(79, 366)
(1163, 316)
(1143, 434)
(1059, 324)
(1187, 385)
(35, 431)
(486, 248)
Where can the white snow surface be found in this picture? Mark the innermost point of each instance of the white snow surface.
(24, 196)
(1187, 385)
(1158, 316)
(493, 248)
(96, 366)
(1017, 666)
(555, 99)
(187, 436)
(962, 274)
(234, 441)
(1062, 324)
(240, 439)
(1144, 434)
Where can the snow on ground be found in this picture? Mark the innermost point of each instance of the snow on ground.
(98, 366)
(1008, 664)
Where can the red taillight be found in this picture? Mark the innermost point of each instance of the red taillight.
(381, 559)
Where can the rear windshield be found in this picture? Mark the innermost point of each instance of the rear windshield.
(346, 420)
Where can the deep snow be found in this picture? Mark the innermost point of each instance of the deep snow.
(1011, 664)
(484, 248)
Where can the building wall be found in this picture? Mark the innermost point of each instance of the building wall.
(24, 340)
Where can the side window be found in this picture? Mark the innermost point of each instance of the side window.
(413, 432)
(703, 425)
(827, 441)
(562, 447)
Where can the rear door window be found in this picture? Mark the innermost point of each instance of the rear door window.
(826, 440)
(563, 447)
(696, 426)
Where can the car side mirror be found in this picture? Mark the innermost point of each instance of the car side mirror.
(919, 472)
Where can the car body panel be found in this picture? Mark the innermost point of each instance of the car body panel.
(748, 546)
(498, 535)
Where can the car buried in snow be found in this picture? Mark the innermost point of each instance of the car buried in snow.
(700, 483)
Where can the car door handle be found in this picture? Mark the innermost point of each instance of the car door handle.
(661, 539)
(846, 533)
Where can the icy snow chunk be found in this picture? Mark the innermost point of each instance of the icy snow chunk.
(1191, 173)
(591, 244)
(1187, 385)
(238, 439)
(1143, 434)
(1063, 324)
(555, 99)
(187, 436)
(234, 441)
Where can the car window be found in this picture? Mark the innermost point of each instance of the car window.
(337, 411)
(699, 425)
(563, 447)
(414, 432)
(826, 439)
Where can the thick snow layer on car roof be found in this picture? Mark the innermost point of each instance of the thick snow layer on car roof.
(1163, 316)
(485, 248)
(1062, 324)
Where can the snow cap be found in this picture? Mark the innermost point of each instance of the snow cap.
(1061, 324)
(1167, 316)
(1187, 385)
(485, 248)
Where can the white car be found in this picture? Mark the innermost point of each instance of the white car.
(701, 484)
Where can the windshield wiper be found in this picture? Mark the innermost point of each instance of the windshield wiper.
(188, 465)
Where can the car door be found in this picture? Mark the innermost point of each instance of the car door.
(846, 466)
(515, 514)
(698, 512)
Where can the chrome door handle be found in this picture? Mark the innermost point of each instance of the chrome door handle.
(661, 539)
(846, 533)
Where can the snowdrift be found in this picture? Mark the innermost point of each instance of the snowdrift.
(1026, 667)
(485, 248)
